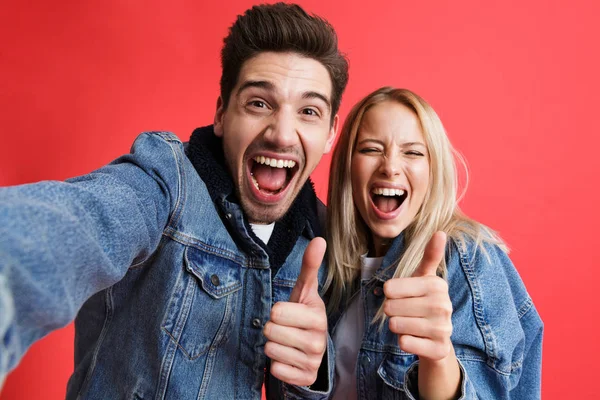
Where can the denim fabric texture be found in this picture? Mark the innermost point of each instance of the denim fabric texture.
(497, 332)
(168, 287)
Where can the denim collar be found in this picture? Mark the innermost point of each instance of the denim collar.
(205, 152)
(391, 259)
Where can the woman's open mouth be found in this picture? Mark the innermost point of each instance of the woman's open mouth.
(387, 200)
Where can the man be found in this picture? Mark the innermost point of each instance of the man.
(173, 256)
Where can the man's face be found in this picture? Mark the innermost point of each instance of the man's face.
(275, 129)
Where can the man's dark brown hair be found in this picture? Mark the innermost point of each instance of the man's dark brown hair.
(282, 27)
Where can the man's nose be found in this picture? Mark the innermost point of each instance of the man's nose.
(282, 131)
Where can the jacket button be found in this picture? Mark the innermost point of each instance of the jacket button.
(215, 280)
(378, 291)
(256, 323)
(365, 361)
(228, 216)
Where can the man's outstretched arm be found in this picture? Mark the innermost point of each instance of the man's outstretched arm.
(61, 242)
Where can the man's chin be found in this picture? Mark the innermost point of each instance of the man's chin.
(263, 214)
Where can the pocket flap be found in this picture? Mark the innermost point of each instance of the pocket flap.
(394, 368)
(219, 276)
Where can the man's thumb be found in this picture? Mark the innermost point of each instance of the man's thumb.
(433, 255)
(308, 281)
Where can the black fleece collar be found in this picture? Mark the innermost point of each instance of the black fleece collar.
(205, 152)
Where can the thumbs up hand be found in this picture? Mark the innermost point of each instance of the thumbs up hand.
(297, 331)
(419, 307)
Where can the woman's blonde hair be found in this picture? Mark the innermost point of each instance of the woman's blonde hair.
(348, 235)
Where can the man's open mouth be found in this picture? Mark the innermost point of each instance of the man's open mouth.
(387, 200)
(271, 176)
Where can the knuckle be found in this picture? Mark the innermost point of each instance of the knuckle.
(387, 307)
(311, 378)
(321, 323)
(314, 363)
(315, 347)
(387, 288)
(441, 309)
(276, 311)
(446, 333)
(439, 285)
(447, 343)
(318, 322)
(268, 329)
(403, 342)
(275, 370)
(269, 349)
(442, 333)
(447, 309)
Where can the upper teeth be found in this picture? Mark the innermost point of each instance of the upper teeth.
(388, 192)
(275, 163)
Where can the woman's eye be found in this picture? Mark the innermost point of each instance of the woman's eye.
(368, 150)
(414, 153)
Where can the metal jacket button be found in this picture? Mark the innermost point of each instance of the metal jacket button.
(365, 360)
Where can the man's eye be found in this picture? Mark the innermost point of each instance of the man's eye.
(310, 111)
(258, 104)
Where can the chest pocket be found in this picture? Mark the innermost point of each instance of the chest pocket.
(282, 289)
(202, 311)
(393, 371)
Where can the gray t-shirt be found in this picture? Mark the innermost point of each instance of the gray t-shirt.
(348, 336)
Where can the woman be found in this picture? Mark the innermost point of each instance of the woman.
(422, 316)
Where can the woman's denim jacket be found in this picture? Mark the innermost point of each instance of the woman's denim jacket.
(497, 332)
(173, 306)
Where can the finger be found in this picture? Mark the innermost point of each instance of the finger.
(292, 375)
(291, 356)
(424, 307)
(399, 288)
(424, 347)
(409, 307)
(307, 284)
(421, 327)
(433, 255)
(306, 341)
(299, 316)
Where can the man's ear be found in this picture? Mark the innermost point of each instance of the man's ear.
(332, 134)
(219, 116)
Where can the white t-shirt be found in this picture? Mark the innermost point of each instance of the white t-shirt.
(263, 231)
(348, 336)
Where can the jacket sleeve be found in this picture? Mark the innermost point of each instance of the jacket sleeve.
(497, 331)
(481, 381)
(62, 242)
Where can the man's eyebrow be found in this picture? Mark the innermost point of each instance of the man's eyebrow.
(256, 84)
(269, 86)
(317, 95)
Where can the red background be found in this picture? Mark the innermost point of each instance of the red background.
(515, 84)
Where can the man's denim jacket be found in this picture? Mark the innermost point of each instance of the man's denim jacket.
(497, 332)
(170, 286)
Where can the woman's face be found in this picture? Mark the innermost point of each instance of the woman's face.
(390, 171)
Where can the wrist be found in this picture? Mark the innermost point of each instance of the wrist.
(439, 379)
